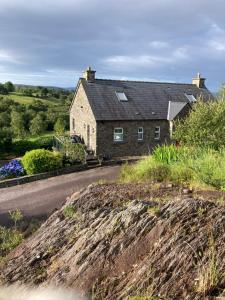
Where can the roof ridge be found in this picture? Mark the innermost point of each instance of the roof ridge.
(143, 81)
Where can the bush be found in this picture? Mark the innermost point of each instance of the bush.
(11, 170)
(146, 169)
(5, 139)
(204, 127)
(20, 147)
(182, 174)
(73, 153)
(9, 239)
(40, 160)
(211, 168)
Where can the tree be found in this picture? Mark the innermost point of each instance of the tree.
(5, 139)
(4, 119)
(9, 87)
(60, 126)
(204, 127)
(37, 125)
(17, 124)
(3, 89)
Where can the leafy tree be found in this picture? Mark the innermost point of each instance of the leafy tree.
(37, 125)
(7, 104)
(4, 119)
(38, 105)
(44, 92)
(5, 139)
(17, 124)
(28, 92)
(204, 127)
(3, 89)
(9, 86)
(60, 126)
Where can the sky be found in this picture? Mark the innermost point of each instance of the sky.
(51, 42)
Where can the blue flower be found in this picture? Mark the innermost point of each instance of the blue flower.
(11, 170)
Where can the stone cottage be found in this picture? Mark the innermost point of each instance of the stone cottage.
(123, 118)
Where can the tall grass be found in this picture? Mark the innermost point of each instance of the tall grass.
(181, 165)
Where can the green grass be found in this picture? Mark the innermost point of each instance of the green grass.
(186, 166)
(21, 99)
(34, 138)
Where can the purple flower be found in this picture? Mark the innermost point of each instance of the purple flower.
(12, 169)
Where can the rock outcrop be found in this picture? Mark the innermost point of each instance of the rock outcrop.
(121, 240)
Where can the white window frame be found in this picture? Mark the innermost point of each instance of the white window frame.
(121, 96)
(157, 133)
(140, 133)
(191, 98)
(118, 134)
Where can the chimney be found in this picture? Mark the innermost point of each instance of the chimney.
(199, 81)
(89, 74)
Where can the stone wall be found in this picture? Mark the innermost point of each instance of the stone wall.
(130, 145)
(30, 178)
(83, 117)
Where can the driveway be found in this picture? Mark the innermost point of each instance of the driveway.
(42, 197)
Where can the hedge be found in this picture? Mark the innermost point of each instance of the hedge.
(41, 160)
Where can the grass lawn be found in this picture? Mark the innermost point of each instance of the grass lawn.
(17, 97)
(33, 138)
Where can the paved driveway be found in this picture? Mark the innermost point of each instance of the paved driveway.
(42, 197)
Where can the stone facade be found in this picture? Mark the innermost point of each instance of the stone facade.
(94, 121)
(82, 120)
(100, 138)
(130, 144)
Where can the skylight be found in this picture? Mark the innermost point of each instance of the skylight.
(191, 97)
(121, 96)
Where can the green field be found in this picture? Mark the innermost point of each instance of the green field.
(20, 98)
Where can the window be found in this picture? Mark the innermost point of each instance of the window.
(191, 97)
(121, 96)
(140, 134)
(157, 133)
(73, 123)
(118, 135)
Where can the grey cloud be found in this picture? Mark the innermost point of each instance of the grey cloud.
(161, 39)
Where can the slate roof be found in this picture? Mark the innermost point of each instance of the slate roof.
(174, 108)
(146, 100)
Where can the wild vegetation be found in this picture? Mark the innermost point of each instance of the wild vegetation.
(204, 127)
(11, 237)
(182, 165)
(200, 157)
(31, 111)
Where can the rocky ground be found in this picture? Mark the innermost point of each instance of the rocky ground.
(114, 241)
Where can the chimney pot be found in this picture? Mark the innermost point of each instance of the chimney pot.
(89, 74)
(199, 81)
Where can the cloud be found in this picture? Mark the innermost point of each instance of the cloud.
(7, 57)
(168, 39)
(146, 61)
(159, 44)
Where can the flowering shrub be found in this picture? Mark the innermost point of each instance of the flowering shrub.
(11, 170)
